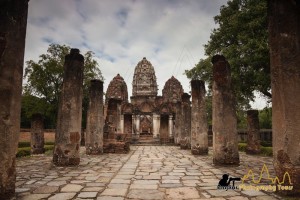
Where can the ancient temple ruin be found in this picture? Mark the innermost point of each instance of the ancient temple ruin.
(148, 117)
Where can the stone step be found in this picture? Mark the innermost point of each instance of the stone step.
(148, 141)
(145, 138)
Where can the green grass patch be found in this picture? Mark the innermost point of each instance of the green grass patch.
(48, 153)
(49, 143)
(27, 144)
(242, 147)
(49, 147)
(23, 144)
(49, 150)
(22, 152)
(25, 151)
(265, 151)
(266, 144)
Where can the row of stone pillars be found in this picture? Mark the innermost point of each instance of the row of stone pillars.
(94, 131)
(224, 121)
(68, 129)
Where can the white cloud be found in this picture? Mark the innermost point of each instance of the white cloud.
(260, 102)
(170, 33)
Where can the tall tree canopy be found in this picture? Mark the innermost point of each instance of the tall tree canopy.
(44, 80)
(242, 37)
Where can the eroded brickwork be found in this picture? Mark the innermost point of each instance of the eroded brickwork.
(172, 90)
(144, 79)
(117, 89)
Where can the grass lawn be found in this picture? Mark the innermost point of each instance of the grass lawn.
(24, 143)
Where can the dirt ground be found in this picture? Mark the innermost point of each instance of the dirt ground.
(25, 137)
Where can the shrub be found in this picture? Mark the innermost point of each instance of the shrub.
(267, 151)
(22, 152)
(242, 147)
(49, 150)
(26, 151)
(49, 147)
(49, 143)
(27, 144)
(266, 143)
(23, 144)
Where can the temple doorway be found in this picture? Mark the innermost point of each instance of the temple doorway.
(128, 124)
(146, 127)
(164, 128)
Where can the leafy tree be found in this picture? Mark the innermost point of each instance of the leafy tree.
(241, 115)
(45, 77)
(32, 104)
(242, 37)
(208, 106)
(265, 118)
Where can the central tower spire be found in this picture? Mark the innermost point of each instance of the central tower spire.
(144, 79)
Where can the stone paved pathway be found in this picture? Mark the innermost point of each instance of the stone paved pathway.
(147, 172)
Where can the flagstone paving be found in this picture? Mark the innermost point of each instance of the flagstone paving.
(147, 172)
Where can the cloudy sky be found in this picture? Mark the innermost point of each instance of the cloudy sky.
(169, 33)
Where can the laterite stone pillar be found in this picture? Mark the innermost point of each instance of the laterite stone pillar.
(199, 140)
(156, 123)
(284, 40)
(178, 122)
(253, 135)
(224, 121)
(37, 134)
(94, 127)
(68, 128)
(170, 129)
(185, 140)
(13, 21)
